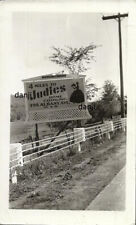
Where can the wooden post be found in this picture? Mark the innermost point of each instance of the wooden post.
(77, 133)
(79, 144)
(36, 136)
(112, 127)
(14, 177)
(108, 127)
(53, 139)
(78, 123)
(79, 147)
(20, 155)
(123, 125)
(36, 131)
(108, 136)
(118, 18)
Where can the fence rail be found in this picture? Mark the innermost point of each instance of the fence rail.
(29, 152)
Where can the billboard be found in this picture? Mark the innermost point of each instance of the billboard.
(55, 99)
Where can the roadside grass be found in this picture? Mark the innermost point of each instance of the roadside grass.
(31, 175)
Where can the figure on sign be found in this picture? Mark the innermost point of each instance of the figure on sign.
(77, 96)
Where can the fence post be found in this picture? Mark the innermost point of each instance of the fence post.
(14, 176)
(108, 136)
(123, 124)
(106, 127)
(99, 133)
(109, 129)
(20, 154)
(16, 156)
(79, 147)
(124, 128)
(79, 136)
(112, 127)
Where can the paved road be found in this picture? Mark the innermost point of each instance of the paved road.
(112, 197)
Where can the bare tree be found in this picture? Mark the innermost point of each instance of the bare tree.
(75, 60)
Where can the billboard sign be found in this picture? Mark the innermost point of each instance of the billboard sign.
(55, 99)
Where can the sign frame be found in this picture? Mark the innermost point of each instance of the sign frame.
(84, 113)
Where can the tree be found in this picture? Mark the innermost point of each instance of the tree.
(96, 110)
(109, 91)
(91, 89)
(75, 60)
(109, 104)
(110, 99)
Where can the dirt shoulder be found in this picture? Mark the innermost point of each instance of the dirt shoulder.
(70, 182)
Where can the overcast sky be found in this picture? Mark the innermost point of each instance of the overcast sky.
(33, 34)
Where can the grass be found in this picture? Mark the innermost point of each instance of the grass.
(30, 175)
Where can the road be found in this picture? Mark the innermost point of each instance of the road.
(113, 195)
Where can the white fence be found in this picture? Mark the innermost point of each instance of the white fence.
(26, 153)
(16, 149)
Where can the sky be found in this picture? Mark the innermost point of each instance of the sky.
(32, 35)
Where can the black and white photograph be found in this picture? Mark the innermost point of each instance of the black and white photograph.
(68, 125)
(68, 110)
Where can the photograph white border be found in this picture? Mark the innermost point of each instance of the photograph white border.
(62, 217)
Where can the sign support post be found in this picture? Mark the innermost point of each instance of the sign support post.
(37, 136)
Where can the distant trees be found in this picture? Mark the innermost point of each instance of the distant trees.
(17, 115)
(91, 89)
(17, 109)
(12, 113)
(109, 91)
(110, 99)
(109, 104)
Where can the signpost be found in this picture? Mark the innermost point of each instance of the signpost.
(53, 98)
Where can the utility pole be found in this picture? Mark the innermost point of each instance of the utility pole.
(118, 18)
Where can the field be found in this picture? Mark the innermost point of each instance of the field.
(20, 130)
(69, 179)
